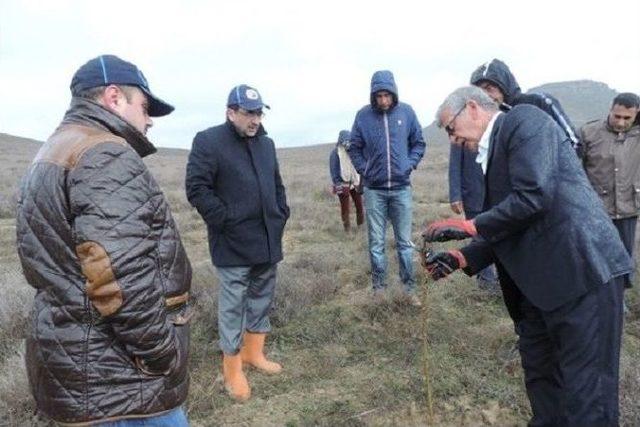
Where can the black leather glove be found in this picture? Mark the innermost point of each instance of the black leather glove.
(442, 264)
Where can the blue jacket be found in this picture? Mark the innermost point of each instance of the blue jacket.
(386, 146)
(466, 180)
(534, 226)
(235, 185)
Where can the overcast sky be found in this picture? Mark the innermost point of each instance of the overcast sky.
(311, 61)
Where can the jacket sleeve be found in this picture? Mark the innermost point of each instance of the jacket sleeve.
(479, 255)
(202, 168)
(334, 167)
(281, 196)
(416, 142)
(455, 173)
(116, 206)
(532, 163)
(356, 147)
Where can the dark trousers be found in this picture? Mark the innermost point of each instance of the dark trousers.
(571, 358)
(627, 230)
(345, 208)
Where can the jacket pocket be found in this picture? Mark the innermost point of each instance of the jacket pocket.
(636, 196)
(180, 319)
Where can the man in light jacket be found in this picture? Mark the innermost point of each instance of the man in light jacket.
(611, 158)
(346, 181)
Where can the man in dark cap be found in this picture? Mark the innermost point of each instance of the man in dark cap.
(109, 335)
(234, 182)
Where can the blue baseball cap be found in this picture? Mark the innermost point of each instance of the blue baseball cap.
(246, 97)
(108, 70)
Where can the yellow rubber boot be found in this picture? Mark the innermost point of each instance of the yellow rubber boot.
(235, 382)
(252, 353)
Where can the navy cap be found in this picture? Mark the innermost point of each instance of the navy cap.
(246, 97)
(108, 70)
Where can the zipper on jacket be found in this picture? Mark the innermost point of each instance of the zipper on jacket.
(386, 134)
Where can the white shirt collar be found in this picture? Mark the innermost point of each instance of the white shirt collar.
(483, 144)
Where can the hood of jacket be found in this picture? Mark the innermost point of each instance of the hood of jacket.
(497, 73)
(383, 80)
(84, 111)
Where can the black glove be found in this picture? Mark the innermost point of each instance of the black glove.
(441, 264)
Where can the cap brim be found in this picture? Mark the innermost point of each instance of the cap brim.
(157, 107)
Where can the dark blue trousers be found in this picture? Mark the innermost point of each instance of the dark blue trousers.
(571, 358)
(627, 230)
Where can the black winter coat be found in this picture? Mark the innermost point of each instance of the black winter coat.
(109, 336)
(535, 226)
(235, 185)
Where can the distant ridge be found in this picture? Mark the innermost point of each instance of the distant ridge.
(582, 100)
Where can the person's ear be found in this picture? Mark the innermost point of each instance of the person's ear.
(111, 98)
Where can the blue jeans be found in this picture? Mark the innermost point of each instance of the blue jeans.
(394, 205)
(174, 418)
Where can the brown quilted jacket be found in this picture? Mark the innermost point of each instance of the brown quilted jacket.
(109, 333)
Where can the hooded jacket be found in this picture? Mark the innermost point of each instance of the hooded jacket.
(235, 185)
(109, 332)
(499, 74)
(386, 146)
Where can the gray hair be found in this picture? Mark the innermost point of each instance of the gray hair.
(459, 98)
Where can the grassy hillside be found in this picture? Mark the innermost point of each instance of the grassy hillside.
(347, 360)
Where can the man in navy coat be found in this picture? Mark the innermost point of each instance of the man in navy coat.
(234, 182)
(560, 270)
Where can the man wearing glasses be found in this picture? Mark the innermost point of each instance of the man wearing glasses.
(466, 192)
(234, 182)
(386, 146)
(561, 271)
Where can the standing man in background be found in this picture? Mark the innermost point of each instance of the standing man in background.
(109, 339)
(346, 181)
(234, 182)
(611, 158)
(386, 146)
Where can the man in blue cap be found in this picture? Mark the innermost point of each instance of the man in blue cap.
(234, 182)
(109, 337)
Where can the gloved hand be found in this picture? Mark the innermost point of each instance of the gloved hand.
(449, 229)
(441, 264)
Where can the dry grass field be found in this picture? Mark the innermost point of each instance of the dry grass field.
(348, 361)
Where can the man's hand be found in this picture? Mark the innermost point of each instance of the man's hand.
(449, 229)
(441, 264)
(457, 207)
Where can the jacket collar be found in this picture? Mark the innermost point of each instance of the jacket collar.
(84, 111)
(232, 129)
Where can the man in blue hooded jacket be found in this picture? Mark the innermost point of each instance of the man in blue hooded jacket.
(386, 146)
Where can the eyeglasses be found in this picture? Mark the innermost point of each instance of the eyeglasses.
(449, 128)
(253, 113)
